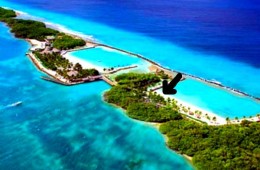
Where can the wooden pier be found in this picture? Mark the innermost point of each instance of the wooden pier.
(108, 80)
(55, 80)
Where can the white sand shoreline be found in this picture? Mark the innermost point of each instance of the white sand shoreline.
(85, 64)
(58, 27)
(219, 120)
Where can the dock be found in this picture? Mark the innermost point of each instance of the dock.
(108, 80)
(87, 79)
(54, 80)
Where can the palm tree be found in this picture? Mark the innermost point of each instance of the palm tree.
(228, 120)
(236, 118)
(214, 119)
(168, 100)
(258, 116)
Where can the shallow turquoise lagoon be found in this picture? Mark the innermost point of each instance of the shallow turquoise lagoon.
(59, 127)
(108, 58)
(219, 101)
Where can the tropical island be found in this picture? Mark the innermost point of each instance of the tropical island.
(230, 146)
(47, 48)
(233, 145)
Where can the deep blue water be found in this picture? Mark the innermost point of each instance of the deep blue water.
(68, 128)
(226, 27)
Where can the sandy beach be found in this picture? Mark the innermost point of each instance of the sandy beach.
(49, 72)
(84, 63)
(203, 117)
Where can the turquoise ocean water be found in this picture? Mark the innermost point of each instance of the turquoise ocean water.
(235, 74)
(60, 127)
(72, 128)
(216, 100)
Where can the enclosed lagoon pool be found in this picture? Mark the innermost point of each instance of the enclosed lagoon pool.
(220, 101)
(107, 58)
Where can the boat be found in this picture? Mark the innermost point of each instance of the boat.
(15, 104)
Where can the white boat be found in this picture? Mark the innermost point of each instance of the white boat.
(15, 104)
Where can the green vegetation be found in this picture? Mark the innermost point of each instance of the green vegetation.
(137, 81)
(64, 42)
(6, 14)
(53, 61)
(37, 30)
(56, 62)
(212, 147)
(151, 113)
(30, 29)
(130, 94)
(216, 147)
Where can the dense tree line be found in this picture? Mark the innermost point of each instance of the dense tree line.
(156, 98)
(212, 147)
(130, 94)
(30, 29)
(56, 62)
(37, 30)
(216, 147)
(151, 113)
(6, 14)
(53, 61)
(65, 42)
(137, 81)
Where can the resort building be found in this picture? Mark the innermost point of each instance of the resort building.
(37, 45)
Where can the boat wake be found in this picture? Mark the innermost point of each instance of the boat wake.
(14, 104)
